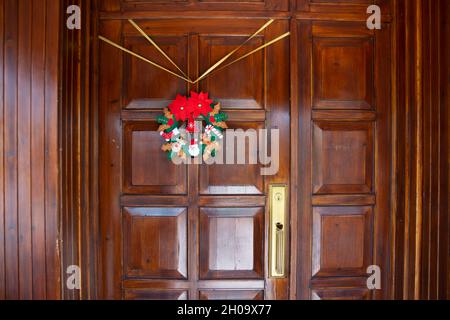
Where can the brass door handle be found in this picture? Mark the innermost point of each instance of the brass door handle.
(279, 265)
(277, 234)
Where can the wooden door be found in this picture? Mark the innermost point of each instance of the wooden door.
(192, 231)
(343, 81)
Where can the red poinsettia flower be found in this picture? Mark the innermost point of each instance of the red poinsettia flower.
(199, 104)
(180, 108)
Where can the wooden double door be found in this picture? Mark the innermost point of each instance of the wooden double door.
(201, 231)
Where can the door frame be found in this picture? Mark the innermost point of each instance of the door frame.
(78, 139)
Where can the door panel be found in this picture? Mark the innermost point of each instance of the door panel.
(335, 145)
(336, 85)
(245, 179)
(137, 74)
(141, 139)
(246, 90)
(155, 243)
(231, 243)
(335, 231)
(189, 231)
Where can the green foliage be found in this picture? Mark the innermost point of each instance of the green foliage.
(162, 119)
(221, 117)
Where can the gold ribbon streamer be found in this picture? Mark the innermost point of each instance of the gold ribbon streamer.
(142, 32)
(212, 69)
(253, 51)
(218, 63)
(142, 58)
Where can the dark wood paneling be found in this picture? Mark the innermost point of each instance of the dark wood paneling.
(29, 202)
(2, 156)
(10, 227)
(444, 147)
(79, 153)
(420, 259)
(185, 5)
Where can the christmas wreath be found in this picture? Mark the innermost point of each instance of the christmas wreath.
(178, 128)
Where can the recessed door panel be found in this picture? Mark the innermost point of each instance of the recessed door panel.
(241, 173)
(335, 147)
(342, 241)
(239, 86)
(231, 243)
(343, 74)
(155, 243)
(137, 93)
(146, 168)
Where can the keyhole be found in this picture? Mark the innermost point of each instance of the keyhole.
(278, 196)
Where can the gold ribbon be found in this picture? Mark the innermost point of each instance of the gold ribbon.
(156, 46)
(250, 53)
(218, 63)
(212, 69)
(142, 58)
